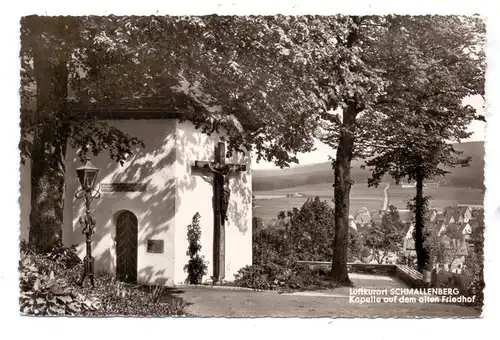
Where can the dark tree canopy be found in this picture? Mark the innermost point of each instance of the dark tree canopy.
(423, 112)
(235, 73)
(239, 73)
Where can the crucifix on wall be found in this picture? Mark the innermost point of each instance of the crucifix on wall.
(221, 194)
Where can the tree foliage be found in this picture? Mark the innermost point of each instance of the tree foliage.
(197, 266)
(385, 236)
(441, 64)
(310, 230)
(300, 234)
(236, 73)
(475, 262)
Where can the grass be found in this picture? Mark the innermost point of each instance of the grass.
(270, 203)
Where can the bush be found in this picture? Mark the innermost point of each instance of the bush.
(272, 276)
(123, 299)
(311, 230)
(300, 234)
(269, 243)
(48, 287)
(44, 294)
(197, 266)
(60, 259)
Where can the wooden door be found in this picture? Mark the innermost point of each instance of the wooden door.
(126, 247)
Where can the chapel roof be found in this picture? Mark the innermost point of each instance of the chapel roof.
(136, 109)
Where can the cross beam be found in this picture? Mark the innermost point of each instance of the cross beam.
(221, 193)
(229, 167)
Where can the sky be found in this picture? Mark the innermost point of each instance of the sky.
(320, 155)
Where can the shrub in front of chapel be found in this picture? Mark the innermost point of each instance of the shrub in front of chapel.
(197, 266)
(46, 284)
(271, 276)
(268, 243)
(299, 234)
(122, 299)
(48, 288)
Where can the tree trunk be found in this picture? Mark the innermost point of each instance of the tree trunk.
(48, 154)
(420, 210)
(342, 192)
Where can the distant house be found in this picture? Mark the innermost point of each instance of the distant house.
(460, 223)
(377, 216)
(433, 214)
(458, 214)
(453, 228)
(363, 216)
(409, 243)
(352, 223)
(408, 185)
(295, 194)
(440, 218)
(414, 185)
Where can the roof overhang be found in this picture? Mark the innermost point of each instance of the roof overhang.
(118, 113)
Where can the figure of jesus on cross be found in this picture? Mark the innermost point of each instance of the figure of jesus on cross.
(223, 171)
(221, 194)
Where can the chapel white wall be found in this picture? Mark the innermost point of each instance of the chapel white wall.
(154, 209)
(194, 193)
(165, 210)
(153, 165)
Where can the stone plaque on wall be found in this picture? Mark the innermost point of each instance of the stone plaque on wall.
(155, 246)
(123, 187)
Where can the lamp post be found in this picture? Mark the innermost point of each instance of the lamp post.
(87, 174)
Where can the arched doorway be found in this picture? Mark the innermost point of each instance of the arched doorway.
(126, 247)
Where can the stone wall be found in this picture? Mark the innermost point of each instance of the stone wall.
(372, 268)
(406, 274)
(410, 276)
(361, 268)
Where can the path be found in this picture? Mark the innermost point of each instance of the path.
(225, 302)
(386, 197)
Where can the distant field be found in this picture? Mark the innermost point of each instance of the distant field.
(326, 190)
(440, 197)
(270, 203)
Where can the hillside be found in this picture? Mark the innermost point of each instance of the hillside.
(272, 179)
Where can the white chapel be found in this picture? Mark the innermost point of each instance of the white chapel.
(147, 204)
